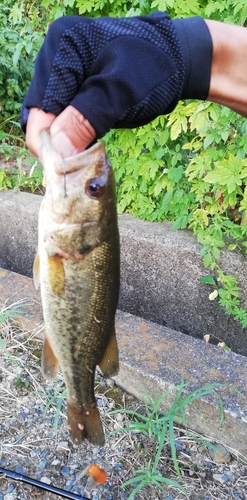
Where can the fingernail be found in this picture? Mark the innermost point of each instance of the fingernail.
(62, 144)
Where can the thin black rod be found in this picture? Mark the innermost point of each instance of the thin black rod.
(39, 484)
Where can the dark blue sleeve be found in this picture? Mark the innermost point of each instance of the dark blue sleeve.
(119, 73)
(196, 44)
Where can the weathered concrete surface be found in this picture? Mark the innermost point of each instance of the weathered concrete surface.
(160, 281)
(157, 358)
(19, 290)
(18, 231)
(160, 271)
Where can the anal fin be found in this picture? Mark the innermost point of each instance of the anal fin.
(109, 364)
(85, 423)
(49, 362)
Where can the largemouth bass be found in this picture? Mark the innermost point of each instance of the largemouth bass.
(77, 267)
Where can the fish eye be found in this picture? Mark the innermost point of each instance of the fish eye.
(95, 187)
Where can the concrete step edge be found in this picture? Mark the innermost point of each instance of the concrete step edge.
(156, 358)
(160, 271)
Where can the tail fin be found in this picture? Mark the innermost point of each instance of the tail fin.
(85, 423)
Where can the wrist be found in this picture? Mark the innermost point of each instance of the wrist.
(196, 45)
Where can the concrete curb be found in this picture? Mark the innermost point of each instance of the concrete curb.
(160, 271)
(157, 358)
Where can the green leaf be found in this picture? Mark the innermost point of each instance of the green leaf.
(180, 223)
(226, 173)
(208, 280)
(167, 198)
(225, 135)
(207, 141)
(134, 480)
(177, 127)
(162, 5)
(232, 246)
(207, 259)
(16, 57)
(29, 47)
(175, 174)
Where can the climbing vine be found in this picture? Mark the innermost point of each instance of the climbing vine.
(189, 167)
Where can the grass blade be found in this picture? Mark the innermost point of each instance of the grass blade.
(173, 447)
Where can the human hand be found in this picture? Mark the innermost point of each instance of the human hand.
(70, 132)
(92, 75)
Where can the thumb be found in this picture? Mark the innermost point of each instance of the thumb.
(71, 132)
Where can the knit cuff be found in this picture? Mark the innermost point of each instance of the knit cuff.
(197, 48)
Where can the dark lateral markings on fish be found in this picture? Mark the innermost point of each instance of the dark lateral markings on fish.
(77, 268)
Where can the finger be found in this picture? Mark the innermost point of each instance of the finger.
(71, 132)
(38, 120)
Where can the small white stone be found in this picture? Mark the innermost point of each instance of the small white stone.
(219, 478)
(63, 446)
(45, 479)
(55, 462)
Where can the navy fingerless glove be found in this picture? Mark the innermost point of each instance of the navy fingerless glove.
(119, 73)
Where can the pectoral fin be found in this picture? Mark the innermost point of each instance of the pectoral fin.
(109, 364)
(36, 271)
(49, 362)
(56, 274)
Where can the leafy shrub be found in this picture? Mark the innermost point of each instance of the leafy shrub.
(19, 46)
(188, 167)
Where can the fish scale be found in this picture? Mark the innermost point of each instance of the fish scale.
(77, 267)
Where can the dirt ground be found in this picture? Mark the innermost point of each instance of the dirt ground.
(35, 440)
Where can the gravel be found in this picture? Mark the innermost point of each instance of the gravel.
(30, 444)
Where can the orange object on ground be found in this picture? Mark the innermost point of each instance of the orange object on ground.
(99, 475)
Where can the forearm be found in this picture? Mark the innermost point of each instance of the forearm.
(228, 82)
